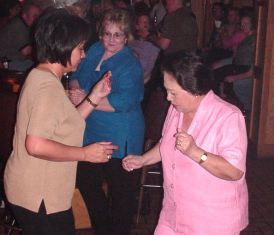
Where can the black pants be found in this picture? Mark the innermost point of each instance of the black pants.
(60, 223)
(112, 214)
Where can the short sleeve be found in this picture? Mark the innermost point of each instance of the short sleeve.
(46, 112)
(232, 141)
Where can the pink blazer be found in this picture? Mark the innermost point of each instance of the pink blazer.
(196, 202)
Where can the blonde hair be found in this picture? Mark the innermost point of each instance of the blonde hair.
(119, 17)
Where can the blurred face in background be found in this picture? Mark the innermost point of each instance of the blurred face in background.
(31, 15)
(113, 38)
(97, 10)
(233, 17)
(246, 24)
(142, 23)
(218, 12)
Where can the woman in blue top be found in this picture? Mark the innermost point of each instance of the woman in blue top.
(117, 118)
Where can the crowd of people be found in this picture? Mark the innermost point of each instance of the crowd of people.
(116, 53)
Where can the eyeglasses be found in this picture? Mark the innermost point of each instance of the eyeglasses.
(115, 36)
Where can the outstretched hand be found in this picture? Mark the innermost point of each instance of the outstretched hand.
(132, 162)
(99, 152)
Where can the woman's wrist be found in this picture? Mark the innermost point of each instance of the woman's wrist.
(94, 105)
(84, 156)
(93, 99)
(196, 154)
(143, 163)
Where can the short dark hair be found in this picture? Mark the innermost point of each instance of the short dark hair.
(219, 4)
(248, 12)
(57, 33)
(189, 71)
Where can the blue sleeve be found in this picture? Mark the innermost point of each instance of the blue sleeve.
(128, 88)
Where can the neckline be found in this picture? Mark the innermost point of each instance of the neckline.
(48, 70)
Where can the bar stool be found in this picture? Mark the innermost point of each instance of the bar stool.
(155, 113)
(151, 177)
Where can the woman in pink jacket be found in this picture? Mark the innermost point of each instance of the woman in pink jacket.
(203, 152)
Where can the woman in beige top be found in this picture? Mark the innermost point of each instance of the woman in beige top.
(40, 173)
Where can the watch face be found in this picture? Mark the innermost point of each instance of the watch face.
(203, 157)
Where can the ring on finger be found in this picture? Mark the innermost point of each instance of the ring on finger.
(109, 157)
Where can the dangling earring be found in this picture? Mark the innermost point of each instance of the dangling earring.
(126, 41)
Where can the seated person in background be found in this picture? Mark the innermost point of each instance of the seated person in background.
(145, 50)
(218, 13)
(231, 35)
(15, 39)
(214, 50)
(241, 70)
(231, 31)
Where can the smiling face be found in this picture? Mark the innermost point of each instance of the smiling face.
(182, 100)
(113, 38)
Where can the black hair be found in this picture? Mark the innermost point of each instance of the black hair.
(219, 4)
(7, 5)
(141, 8)
(28, 4)
(248, 12)
(189, 71)
(57, 33)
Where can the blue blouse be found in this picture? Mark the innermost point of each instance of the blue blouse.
(125, 126)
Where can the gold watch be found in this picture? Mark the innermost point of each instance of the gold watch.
(203, 158)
